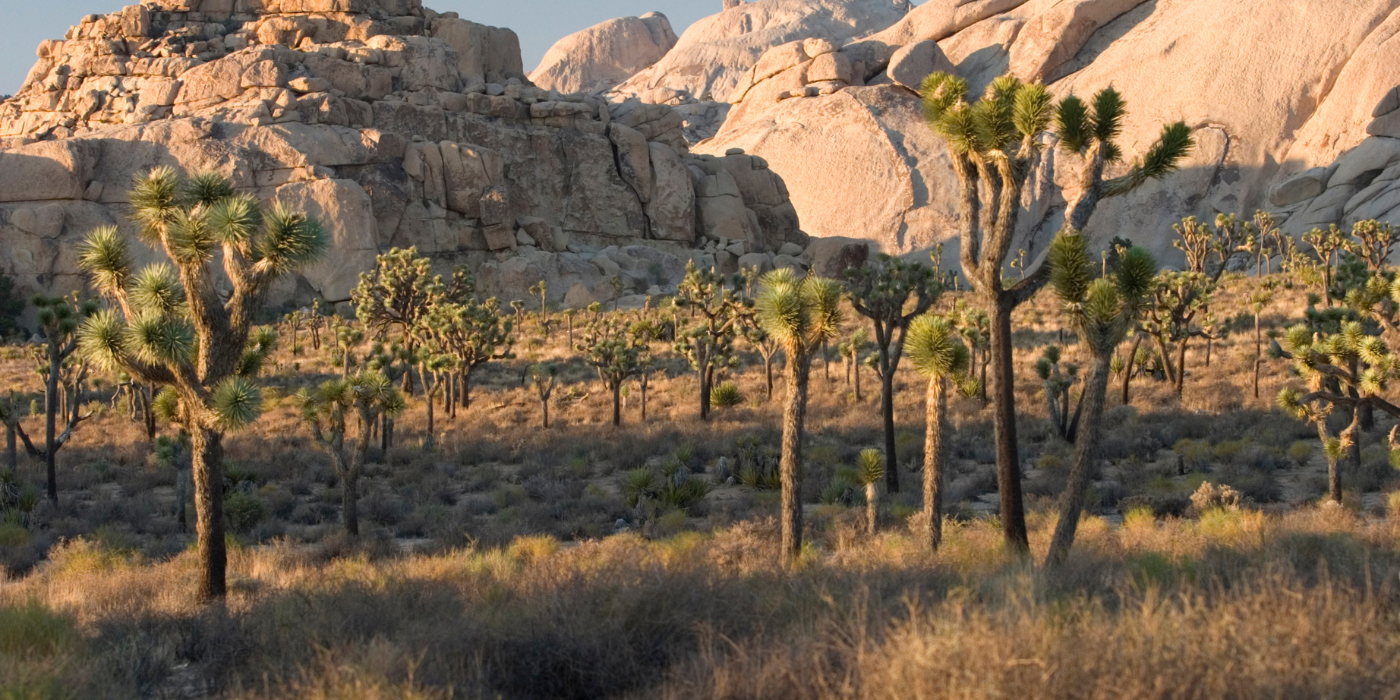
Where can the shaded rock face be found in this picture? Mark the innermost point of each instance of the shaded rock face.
(606, 54)
(1308, 127)
(393, 124)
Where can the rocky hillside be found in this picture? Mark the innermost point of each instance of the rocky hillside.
(1294, 104)
(396, 126)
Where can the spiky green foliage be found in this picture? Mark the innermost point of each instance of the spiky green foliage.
(1101, 310)
(64, 371)
(935, 348)
(798, 312)
(471, 332)
(870, 466)
(399, 293)
(726, 395)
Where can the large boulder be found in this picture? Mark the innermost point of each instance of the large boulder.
(714, 57)
(605, 54)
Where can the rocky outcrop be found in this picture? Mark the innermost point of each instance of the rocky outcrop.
(714, 57)
(1295, 109)
(600, 57)
(393, 124)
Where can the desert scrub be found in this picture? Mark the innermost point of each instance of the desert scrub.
(726, 395)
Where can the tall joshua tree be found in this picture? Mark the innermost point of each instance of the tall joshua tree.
(177, 328)
(939, 355)
(995, 144)
(399, 293)
(891, 292)
(799, 313)
(617, 355)
(1103, 311)
(328, 410)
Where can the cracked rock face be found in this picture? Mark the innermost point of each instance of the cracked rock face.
(1296, 108)
(393, 124)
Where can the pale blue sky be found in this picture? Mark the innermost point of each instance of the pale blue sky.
(538, 22)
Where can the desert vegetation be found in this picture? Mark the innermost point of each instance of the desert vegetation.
(422, 492)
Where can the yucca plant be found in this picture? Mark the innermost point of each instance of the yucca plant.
(328, 411)
(1102, 311)
(474, 333)
(1350, 370)
(870, 469)
(64, 372)
(940, 356)
(616, 355)
(852, 352)
(1258, 301)
(543, 377)
(891, 292)
(399, 293)
(726, 395)
(1058, 381)
(800, 313)
(718, 303)
(176, 328)
(995, 144)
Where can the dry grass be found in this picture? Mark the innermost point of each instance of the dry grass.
(1239, 604)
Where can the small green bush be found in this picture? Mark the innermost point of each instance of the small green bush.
(243, 511)
(726, 395)
(1300, 452)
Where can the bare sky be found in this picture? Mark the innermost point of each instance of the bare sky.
(538, 22)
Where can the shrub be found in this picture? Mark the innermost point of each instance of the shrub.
(1300, 452)
(243, 511)
(1195, 453)
(726, 395)
(1211, 497)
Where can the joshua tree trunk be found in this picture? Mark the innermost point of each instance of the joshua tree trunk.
(208, 456)
(350, 503)
(646, 379)
(148, 415)
(1013, 516)
(856, 370)
(1181, 366)
(50, 420)
(11, 447)
(768, 375)
(617, 403)
(934, 457)
(790, 467)
(872, 505)
(1334, 475)
(466, 392)
(706, 379)
(1072, 502)
(429, 394)
(544, 409)
(386, 435)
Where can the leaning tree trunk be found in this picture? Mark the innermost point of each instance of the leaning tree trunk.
(1128, 366)
(208, 468)
(934, 458)
(790, 466)
(1072, 502)
(1013, 514)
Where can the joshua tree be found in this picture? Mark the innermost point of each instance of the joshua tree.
(433, 366)
(11, 410)
(709, 344)
(617, 356)
(315, 322)
(938, 355)
(327, 410)
(995, 145)
(799, 313)
(976, 330)
(1348, 369)
(60, 320)
(891, 292)
(399, 293)
(474, 333)
(347, 338)
(1057, 385)
(1102, 310)
(543, 377)
(851, 351)
(1177, 299)
(753, 332)
(870, 469)
(293, 323)
(394, 361)
(177, 329)
(1327, 247)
